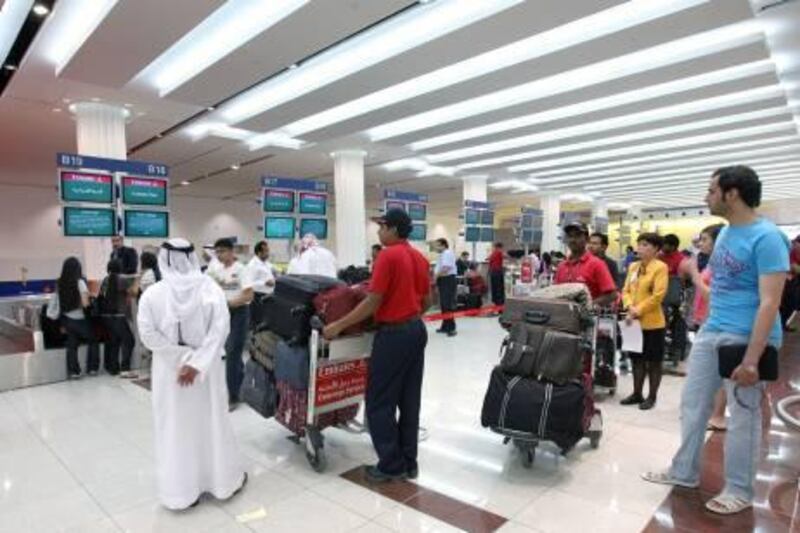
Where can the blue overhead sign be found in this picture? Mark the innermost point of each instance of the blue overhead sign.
(137, 168)
(473, 204)
(532, 211)
(271, 182)
(405, 196)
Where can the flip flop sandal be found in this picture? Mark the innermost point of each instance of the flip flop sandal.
(663, 478)
(725, 504)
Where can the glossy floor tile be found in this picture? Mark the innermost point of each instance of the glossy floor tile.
(78, 457)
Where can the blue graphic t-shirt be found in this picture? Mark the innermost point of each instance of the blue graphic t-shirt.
(741, 255)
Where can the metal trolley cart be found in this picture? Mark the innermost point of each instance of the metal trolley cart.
(604, 347)
(338, 372)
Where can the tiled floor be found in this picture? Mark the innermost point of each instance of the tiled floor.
(78, 456)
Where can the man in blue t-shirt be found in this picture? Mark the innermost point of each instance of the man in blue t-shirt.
(749, 266)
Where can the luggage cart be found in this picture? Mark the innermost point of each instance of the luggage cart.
(337, 380)
(605, 368)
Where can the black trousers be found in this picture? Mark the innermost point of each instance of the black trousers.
(80, 331)
(395, 384)
(122, 339)
(497, 280)
(447, 300)
(791, 299)
(234, 346)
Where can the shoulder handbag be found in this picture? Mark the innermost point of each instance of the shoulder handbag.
(731, 356)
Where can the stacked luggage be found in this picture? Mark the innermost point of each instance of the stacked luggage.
(542, 388)
(277, 375)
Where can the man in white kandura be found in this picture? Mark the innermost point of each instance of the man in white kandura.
(313, 259)
(184, 321)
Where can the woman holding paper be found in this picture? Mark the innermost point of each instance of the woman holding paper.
(645, 288)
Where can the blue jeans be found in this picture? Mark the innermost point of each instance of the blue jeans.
(234, 346)
(743, 436)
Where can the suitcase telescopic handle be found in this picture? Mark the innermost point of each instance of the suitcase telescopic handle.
(537, 317)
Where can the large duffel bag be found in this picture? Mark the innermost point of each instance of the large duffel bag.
(337, 302)
(561, 315)
(529, 408)
(469, 301)
(302, 289)
(292, 365)
(263, 347)
(293, 408)
(542, 353)
(259, 389)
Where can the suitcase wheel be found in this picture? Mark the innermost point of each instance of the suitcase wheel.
(594, 439)
(315, 452)
(527, 451)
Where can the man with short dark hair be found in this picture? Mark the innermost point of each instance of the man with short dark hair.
(261, 270)
(446, 283)
(583, 267)
(236, 283)
(671, 255)
(749, 265)
(398, 295)
(125, 255)
(462, 264)
(598, 245)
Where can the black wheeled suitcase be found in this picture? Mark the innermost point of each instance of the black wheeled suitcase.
(529, 408)
(291, 307)
(303, 288)
(259, 389)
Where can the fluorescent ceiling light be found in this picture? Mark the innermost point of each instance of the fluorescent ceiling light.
(590, 106)
(222, 32)
(677, 164)
(780, 140)
(662, 145)
(670, 53)
(594, 26)
(12, 17)
(517, 185)
(77, 20)
(643, 117)
(724, 120)
(391, 38)
(262, 140)
(690, 175)
(690, 181)
(422, 167)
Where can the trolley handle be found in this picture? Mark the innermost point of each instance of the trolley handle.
(316, 323)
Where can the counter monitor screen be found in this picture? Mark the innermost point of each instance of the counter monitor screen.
(487, 235)
(471, 217)
(472, 234)
(393, 204)
(279, 227)
(89, 222)
(417, 211)
(316, 226)
(487, 217)
(313, 203)
(419, 232)
(276, 201)
(86, 187)
(144, 191)
(152, 224)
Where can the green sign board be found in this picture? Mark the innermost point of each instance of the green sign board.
(144, 191)
(313, 203)
(154, 224)
(277, 201)
(86, 187)
(279, 227)
(89, 222)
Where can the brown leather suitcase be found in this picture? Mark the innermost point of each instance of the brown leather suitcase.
(561, 315)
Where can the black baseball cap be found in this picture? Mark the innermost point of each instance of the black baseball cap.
(578, 225)
(395, 218)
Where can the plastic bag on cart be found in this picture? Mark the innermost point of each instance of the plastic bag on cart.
(293, 408)
(259, 389)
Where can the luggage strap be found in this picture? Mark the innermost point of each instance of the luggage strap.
(506, 400)
(548, 397)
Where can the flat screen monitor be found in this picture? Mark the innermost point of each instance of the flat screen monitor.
(486, 217)
(86, 187)
(277, 201)
(312, 203)
(279, 227)
(89, 222)
(487, 235)
(144, 191)
(417, 211)
(150, 224)
(471, 217)
(318, 227)
(527, 221)
(419, 232)
(472, 234)
(394, 204)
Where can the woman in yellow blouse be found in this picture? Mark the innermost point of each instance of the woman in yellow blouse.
(645, 287)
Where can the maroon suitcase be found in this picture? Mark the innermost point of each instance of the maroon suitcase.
(293, 407)
(337, 302)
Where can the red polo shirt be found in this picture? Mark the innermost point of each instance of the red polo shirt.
(589, 270)
(496, 261)
(400, 275)
(673, 261)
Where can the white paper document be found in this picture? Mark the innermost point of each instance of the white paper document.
(632, 340)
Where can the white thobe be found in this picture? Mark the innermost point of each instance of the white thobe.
(195, 448)
(316, 260)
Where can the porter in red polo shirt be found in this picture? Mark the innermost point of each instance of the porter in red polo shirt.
(400, 275)
(589, 270)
